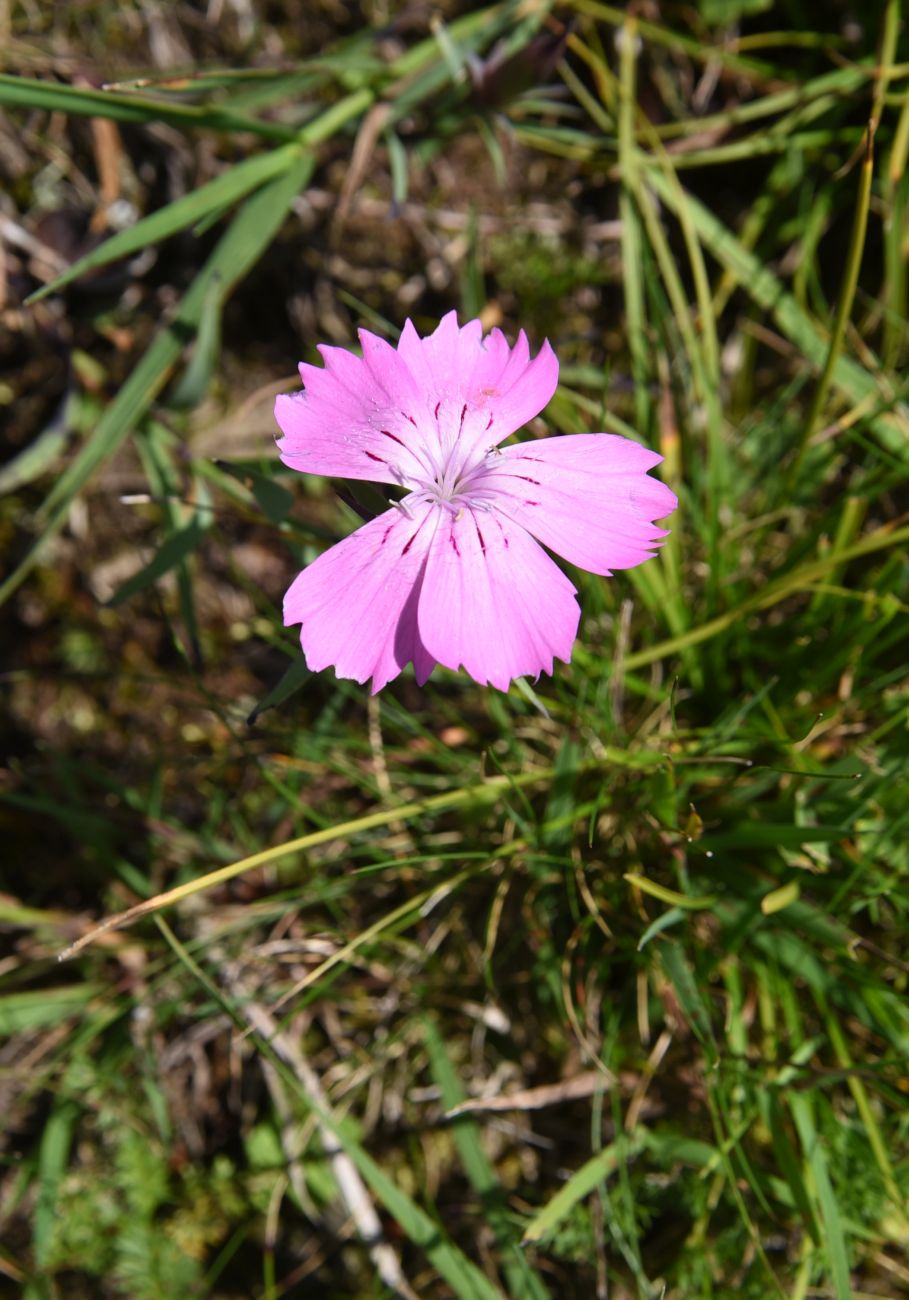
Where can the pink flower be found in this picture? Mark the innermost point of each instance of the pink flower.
(453, 573)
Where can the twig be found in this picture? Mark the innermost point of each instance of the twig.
(351, 1187)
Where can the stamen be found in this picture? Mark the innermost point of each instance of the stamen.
(403, 506)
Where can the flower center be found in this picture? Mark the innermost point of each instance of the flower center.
(452, 483)
(451, 469)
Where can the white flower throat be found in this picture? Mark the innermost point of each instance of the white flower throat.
(449, 471)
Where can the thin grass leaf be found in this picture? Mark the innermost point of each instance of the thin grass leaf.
(226, 189)
(700, 51)
(53, 1157)
(523, 1282)
(833, 1239)
(270, 496)
(466, 1280)
(54, 97)
(681, 976)
(671, 896)
(855, 382)
(864, 1108)
(846, 297)
(801, 579)
(32, 1009)
(632, 238)
(896, 203)
(829, 88)
(580, 1185)
(38, 457)
(787, 1159)
(467, 797)
(663, 922)
(193, 383)
(399, 166)
(238, 249)
(294, 679)
(173, 550)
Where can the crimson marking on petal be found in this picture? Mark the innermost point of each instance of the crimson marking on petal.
(394, 437)
(498, 523)
(385, 534)
(481, 537)
(410, 541)
(534, 481)
(454, 542)
(489, 424)
(410, 418)
(372, 456)
(463, 417)
(436, 412)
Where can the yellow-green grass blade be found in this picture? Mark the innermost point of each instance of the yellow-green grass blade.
(466, 797)
(864, 1108)
(800, 579)
(678, 41)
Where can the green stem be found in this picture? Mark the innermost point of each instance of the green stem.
(856, 242)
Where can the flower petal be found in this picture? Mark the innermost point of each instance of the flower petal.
(478, 390)
(493, 601)
(586, 496)
(357, 418)
(358, 601)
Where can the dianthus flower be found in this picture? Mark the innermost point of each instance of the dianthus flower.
(454, 573)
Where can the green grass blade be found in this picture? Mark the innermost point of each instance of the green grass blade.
(239, 248)
(293, 680)
(172, 551)
(851, 379)
(35, 459)
(53, 97)
(681, 975)
(523, 1282)
(632, 279)
(787, 1160)
(225, 189)
(865, 1110)
(679, 41)
(580, 1185)
(465, 1279)
(53, 1157)
(843, 309)
(31, 1009)
(833, 1236)
(800, 579)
